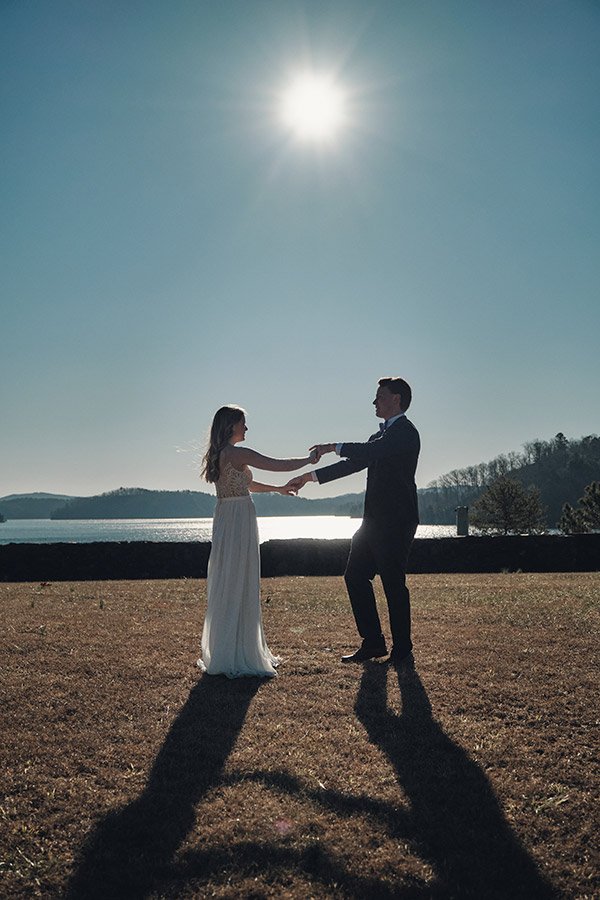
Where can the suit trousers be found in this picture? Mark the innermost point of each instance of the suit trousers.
(381, 549)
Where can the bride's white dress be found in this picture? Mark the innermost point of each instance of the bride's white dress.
(233, 642)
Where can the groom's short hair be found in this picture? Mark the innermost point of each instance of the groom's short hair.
(398, 386)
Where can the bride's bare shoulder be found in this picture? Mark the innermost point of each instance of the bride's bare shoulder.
(233, 456)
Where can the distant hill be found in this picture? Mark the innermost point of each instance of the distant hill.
(31, 506)
(139, 503)
(39, 495)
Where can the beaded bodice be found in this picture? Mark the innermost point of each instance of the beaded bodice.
(233, 482)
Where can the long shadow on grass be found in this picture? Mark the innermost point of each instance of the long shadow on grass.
(452, 819)
(455, 820)
(449, 815)
(130, 851)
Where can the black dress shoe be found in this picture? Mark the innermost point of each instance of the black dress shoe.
(365, 653)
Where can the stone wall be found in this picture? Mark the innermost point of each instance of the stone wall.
(147, 559)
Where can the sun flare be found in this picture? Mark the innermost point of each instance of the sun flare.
(313, 108)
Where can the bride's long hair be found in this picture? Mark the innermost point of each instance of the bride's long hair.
(225, 420)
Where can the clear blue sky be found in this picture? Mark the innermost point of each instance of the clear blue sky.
(169, 246)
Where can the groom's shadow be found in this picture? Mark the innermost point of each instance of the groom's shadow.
(131, 850)
(455, 822)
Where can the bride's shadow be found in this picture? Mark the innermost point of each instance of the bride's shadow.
(131, 850)
(455, 822)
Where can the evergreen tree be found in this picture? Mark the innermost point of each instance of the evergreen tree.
(590, 503)
(587, 516)
(571, 521)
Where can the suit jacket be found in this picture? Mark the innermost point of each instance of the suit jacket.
(391, 461)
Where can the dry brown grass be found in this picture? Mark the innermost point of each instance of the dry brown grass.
(127, 774)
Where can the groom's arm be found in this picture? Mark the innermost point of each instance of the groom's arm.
(342, 468)
(327, 473)
(394, 442)
(358, 455)
(337, 470)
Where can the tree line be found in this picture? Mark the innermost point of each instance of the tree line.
(559, 469)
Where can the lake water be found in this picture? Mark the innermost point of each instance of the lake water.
(78, 531)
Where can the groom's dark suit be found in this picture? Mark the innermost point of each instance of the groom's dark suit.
(382, 543)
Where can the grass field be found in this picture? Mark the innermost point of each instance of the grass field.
(127, 774)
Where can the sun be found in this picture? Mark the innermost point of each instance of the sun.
(313, 107)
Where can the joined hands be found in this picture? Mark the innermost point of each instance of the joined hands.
(298, 482)
(294, 484)
(319, 450)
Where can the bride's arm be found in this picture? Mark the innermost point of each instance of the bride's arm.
(244, 456)
(257, 488)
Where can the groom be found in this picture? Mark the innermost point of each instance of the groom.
(382, 543)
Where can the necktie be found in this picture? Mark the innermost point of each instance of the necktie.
(382, 426)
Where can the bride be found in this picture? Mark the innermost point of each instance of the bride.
(233, 642)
